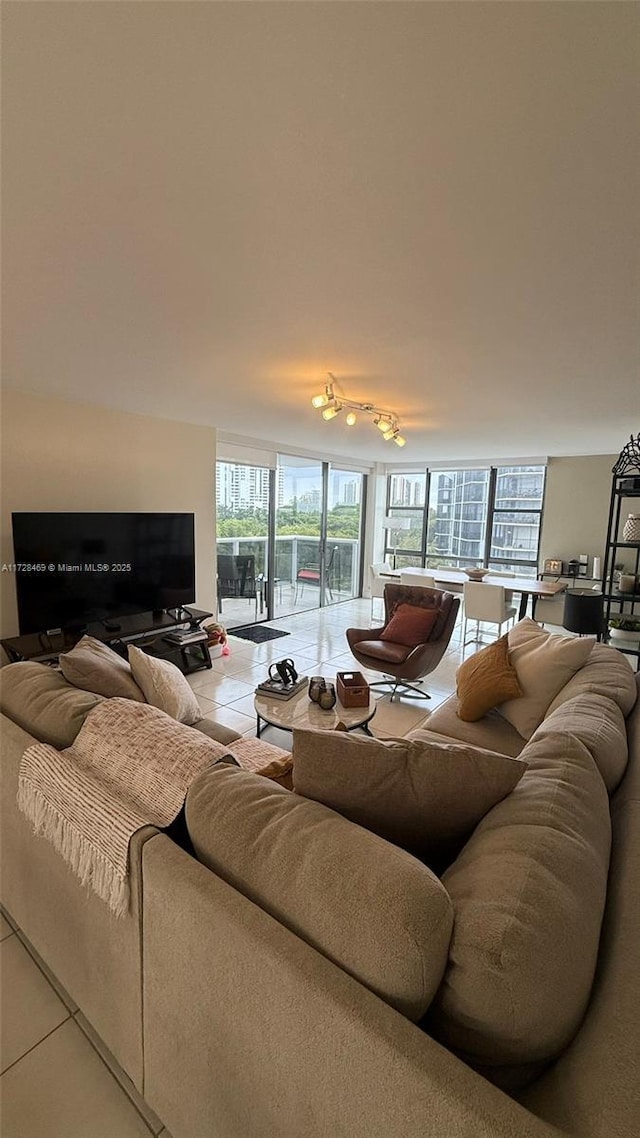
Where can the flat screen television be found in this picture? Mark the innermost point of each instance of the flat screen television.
(72, 569)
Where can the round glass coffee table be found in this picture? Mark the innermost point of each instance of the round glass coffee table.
(301, 712)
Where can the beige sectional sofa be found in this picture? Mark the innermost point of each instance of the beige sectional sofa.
(302, 976)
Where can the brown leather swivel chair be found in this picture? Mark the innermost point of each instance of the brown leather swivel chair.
(402, 663)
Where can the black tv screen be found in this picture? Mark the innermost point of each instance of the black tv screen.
(72, 569)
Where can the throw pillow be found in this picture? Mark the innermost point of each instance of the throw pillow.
(485, 680)
(410, 625)
(93, 666)
(164, 686)
(425, 797)
(544, 663)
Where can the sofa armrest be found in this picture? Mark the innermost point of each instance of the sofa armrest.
(249, 1030)
(216, 731)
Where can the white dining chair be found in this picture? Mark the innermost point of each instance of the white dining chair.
(377, 582)
(504, 573)
(424, 580)
(485, 604)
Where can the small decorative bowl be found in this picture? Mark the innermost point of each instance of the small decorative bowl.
(476, 574)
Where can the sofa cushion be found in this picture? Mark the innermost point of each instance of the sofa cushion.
(486, 679)
(93, 666)
(606, 672)
(410, 625)
(41, 701)
(599, 723)
(425, 796)
(528, 891)
(491, 732)
(544, 663)
(164, 686)
(369, 907)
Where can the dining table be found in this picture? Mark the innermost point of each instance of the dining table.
(454, 579)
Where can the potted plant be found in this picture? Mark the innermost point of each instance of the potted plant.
(624, 631)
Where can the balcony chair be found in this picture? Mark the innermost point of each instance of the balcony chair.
(405, 665)
(237, 578)
(487, 604)
(311, 576)
(377, 582)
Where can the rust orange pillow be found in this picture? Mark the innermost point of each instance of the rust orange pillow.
(485, 680)
(410, 625)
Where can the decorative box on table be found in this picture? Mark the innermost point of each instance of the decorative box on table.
(353, 689)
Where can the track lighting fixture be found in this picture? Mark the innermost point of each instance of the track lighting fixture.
(331, 405)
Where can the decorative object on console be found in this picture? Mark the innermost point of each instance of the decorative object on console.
(631, 528)
(627, 582)
(552, 565)
(331, 405)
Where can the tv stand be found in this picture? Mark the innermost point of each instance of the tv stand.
(145, 630)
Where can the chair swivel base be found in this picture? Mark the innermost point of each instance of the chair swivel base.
(401, 687)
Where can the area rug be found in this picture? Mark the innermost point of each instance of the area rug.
(396, 719)
(258, 633)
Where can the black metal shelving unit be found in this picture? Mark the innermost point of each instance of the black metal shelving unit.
(625, 486)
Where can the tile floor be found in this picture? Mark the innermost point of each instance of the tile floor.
(54, 1083)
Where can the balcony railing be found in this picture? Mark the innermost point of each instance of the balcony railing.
(300, 551)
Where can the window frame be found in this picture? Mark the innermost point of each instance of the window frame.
(493, 512)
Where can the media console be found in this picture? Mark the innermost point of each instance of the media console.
(146, 630)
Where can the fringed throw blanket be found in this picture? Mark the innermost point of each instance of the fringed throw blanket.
(130, 766)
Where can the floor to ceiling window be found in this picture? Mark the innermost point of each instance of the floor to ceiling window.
(289, 538)
(317, 533)
(457, 517)
(242, 542)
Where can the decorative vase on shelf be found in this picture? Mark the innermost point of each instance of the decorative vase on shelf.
(631, 530)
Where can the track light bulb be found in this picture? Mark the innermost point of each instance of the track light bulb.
(350, 419)
(399, 440)
(383, 424)
(389, 432)
(320, 400)
(331, 412)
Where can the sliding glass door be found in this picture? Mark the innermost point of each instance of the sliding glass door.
(242, 542)
(288, 540)
(344, 534)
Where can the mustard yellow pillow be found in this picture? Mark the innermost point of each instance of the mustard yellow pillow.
(485, 680)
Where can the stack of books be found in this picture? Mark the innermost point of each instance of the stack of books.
(277, 690)
(186, 636)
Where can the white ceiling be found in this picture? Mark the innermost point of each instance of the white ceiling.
(209, 206)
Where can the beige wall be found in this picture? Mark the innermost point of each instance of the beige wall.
(58, 455)
(576, 510)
